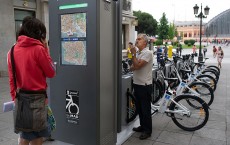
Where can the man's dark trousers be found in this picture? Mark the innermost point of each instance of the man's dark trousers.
(143, 105)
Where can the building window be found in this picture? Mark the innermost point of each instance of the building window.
(19, 15)
(185, 34)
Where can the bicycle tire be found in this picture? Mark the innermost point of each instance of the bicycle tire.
(212, 73)
(208, 99)
(214, 67)
(212, 83)
(193, 123)
(131, 107)
(158, 92)
(176, 83)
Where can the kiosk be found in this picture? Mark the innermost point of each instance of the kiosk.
(83, 92)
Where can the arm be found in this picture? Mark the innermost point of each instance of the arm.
(45, 62)
(11, 80)
(137, 64)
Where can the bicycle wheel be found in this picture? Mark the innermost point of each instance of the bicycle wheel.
(192, 120)
(211, 73)
(205, 91)
(208, 80)
(158, 91)
(131, 108)
(214, 67)
(173, 85)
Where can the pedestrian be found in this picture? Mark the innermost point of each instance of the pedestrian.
(129, 54)
(32, 65)
(142, 83)
(204, 51)
(166, 51)
(159, 55)
(214, 51)
(180, 48)
(220, 56)
(194, 50)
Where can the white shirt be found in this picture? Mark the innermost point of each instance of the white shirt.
(143, 76)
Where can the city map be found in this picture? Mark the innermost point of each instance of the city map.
(73, 39)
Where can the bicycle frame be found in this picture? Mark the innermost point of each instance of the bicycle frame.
(163, 107)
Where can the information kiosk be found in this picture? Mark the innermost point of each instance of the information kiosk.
(83, 92)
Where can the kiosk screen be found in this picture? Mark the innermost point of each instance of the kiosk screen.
(73, 39)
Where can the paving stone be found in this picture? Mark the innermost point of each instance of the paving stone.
(216, 125)
(217, 115)
(174, 138)
(160, 143)
(205, 141)
(155, 134)
(171, 127)
(137, 141)
(211, 133)
(160, 121)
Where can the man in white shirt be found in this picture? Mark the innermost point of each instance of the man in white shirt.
(142, 81)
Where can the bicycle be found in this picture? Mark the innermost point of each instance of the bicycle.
(181, 109)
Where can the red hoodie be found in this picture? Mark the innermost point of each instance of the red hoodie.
(33, 64)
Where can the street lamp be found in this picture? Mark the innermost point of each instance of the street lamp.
(201, 16)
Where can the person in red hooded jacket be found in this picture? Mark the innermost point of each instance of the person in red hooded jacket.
(33, 65)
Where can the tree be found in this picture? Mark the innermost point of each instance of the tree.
(146, 23)
(163, 28)
(172, 31)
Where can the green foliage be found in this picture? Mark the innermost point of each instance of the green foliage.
(172, 31)
(189, 44)
(186, 42)
(192, 41)
(159, 42)
(146, 23)
(163, 28)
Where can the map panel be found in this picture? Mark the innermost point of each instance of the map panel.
(73, 39)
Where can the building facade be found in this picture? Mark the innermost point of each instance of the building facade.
(12, 13)
(189, 30)
(219, 27)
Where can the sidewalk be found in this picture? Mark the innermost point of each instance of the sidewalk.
(165, 132)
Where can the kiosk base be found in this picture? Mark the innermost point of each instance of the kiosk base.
(127, 131)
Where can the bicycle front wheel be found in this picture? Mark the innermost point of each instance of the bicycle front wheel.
(205, 91)
(187, 117)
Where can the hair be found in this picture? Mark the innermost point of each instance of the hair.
(145, 37)
(33, 28)
(130, 43)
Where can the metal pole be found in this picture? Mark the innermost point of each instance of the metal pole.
(200, 57)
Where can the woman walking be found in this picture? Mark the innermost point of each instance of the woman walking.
(220, 56)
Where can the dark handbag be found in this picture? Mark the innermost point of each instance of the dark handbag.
(30, 112)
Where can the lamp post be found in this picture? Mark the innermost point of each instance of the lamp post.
(201, 16)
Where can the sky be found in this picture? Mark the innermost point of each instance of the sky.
(180, 10)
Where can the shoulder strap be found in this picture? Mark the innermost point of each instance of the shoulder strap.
(13, 66)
